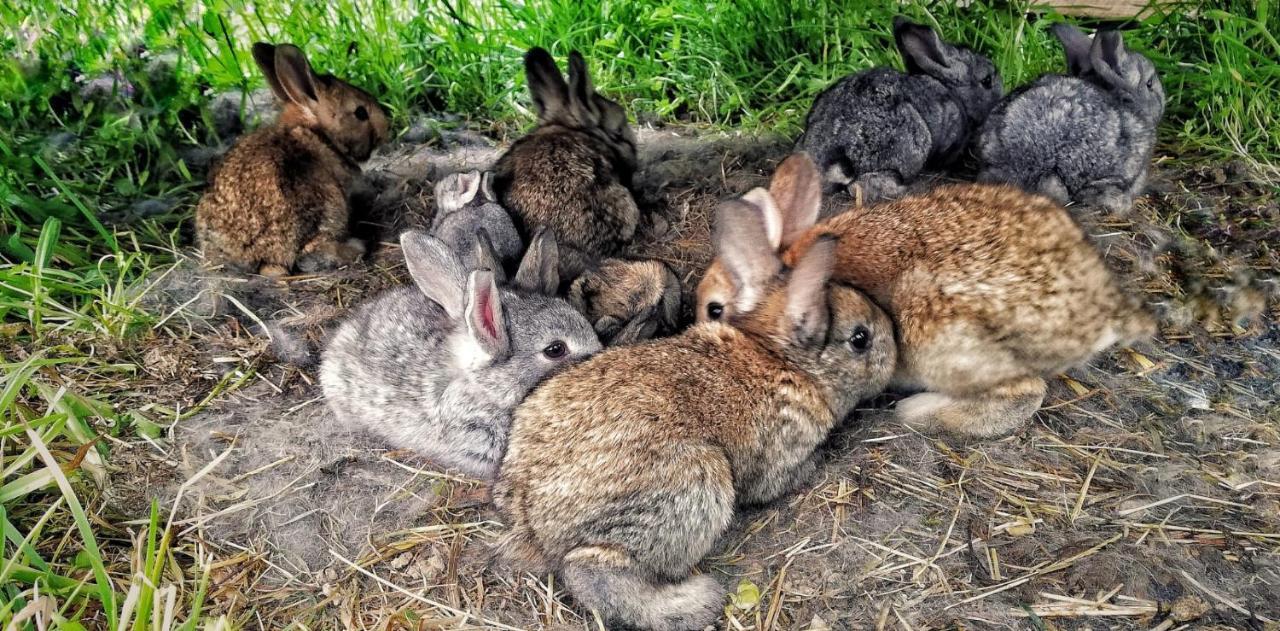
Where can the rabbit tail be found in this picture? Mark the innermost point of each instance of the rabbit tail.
(608, 581)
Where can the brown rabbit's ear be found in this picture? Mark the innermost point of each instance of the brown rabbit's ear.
(485, 320)
(435, 269)
(807, 312)
(1076, 45)
(487, 258)
(797, 190)
(769, 213)
(539, 270)
(546, 85)
(1106, 57)
(744, 249)
(293, 72)
(925, 52)
(580, 89)
(264, 55)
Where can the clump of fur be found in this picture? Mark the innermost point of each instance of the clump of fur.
(628, 301)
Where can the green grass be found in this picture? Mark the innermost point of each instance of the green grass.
(72, 282)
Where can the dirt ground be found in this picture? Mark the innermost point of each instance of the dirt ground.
(1145, 494)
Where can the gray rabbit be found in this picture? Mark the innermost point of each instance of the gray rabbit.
(470, 220)
(1086, 137)
(439, 367)
(879, 128)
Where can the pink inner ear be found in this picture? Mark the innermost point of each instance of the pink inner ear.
(484, 304)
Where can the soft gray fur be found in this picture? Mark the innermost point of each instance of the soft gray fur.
(1087, 137)
(440, 366)
(465, 207)
(879, 128)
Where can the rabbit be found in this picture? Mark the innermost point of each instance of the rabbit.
(465, 207)
(439, 367)
(279, 197)
(879, 128)
(623, 471)
(990, 288)
(628, 300)
(1086, 137)
(573, 173)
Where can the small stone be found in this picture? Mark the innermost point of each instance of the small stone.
(401, 561)
(145, 208)
(818, 624)
(107, 86)
(1188, 608)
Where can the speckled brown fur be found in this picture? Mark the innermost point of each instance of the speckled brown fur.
(990, 289)
(279, 197)
(573, 172)
(622, 472)
(628, 301)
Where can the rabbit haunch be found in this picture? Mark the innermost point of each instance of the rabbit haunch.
(438, 367)
(279, 197)
(990, 289)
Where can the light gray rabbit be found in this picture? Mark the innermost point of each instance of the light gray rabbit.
(1087, 137)
(879, 128)
(439, 367)
(466, 209)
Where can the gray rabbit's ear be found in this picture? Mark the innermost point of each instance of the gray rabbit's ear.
(435, 269)
(1076, 45)
(295, 76)
(581, 91)
(546, 85)
(485, 320)
(1106, 57)
(457, 190)
(808, 314)
(539, 270)
(796, 188)
(486, 187)
(770, 214)
(924, 52)
(486, 258)
(745, 251)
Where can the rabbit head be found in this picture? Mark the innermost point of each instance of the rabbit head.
(1128, 75)
(465, 210)
(348, 117)
(628, 301)
(511, 338)
(971, 76)
(576, 104)
(787, 209)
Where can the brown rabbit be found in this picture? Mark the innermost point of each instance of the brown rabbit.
(626, 300)
(573, 172)
(990, 288)
(279, 197)
(622, 472)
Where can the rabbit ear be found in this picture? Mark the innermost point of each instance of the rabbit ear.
(769, 213)
(486, 186)
(797, 189)
(295, 76)
(546, 84)
(1076, 45)
(580, 88)
(923, 51)
(485, 320)
(539, 271)
(808, 314)
(1106, 56)
(435, 269)
(457, 190)
(264, 55)
(745, 251)
(486, 258)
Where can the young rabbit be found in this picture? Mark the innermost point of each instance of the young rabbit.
(628, 300)
(439, 367)
(573, 172)
(279, 197)
(879, 128)
(623, 471)
(1087, 137)
(990, 288)
(467, 207)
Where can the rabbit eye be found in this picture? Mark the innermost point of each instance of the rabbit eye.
(986, 82)
(1151, 82)
(555, 350)
(362, 114)
(861, 339)
(715, 310)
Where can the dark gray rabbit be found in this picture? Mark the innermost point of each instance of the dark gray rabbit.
(1086, 137)
(439, 367)
(472, 222)
(879, 128)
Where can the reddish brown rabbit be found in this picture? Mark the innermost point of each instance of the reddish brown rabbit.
(279, 197)
(622, 472)
(990, 288)
(573, 172)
